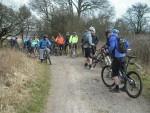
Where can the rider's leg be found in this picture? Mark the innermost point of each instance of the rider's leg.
(41, 54)
(86, 56)
(89, 56)
(76, 47)
(115, 73)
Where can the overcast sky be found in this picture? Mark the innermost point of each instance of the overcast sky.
(120, 5)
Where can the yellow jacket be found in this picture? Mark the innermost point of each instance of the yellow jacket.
(73, 39)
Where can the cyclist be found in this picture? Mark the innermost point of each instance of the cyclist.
(34, 45)
(44, 45)
(28, 45)
(87, 44)
(73, 40)
(25, 40)
(117, 56)
(67, 43)
(52, 40)
(60, 41)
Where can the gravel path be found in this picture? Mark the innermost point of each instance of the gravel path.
(75, 89)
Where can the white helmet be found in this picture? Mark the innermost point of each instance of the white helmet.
(115, 31)
(92, 29)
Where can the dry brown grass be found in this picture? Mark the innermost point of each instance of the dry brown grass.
(16, 72)
(141, 47)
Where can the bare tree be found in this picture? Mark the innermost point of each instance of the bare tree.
(83, 6)
(89, 5)
(122, 26)
(45, 7)
(12, 22)
(137, 17)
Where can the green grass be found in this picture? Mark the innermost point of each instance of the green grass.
(39, 91)
(145, 81)
(146, 86)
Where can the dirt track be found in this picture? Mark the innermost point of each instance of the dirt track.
(75, 89)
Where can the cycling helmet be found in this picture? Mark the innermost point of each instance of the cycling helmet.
(74, 33)
(92, 29)
(115, 31)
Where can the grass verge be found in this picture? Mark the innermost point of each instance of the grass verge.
(24, 83)
(146, 87)
(145, 80)
(39, 90)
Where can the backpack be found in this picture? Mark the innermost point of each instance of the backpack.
(122, 45)
(85, 39)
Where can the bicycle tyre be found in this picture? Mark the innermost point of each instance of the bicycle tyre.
(129, 74)
(109, 76)
(48, 58)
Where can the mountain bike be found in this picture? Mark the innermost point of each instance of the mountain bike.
(130, 80)
(73, 50)
(101, 57)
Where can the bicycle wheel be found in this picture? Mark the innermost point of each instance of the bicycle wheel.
(49, 59)
(94, 62)
(134, 84)
(106, 76)
(107, 60)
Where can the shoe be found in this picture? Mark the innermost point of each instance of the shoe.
(90, 66)
(123, 89)
(85, 65)
(115, 90)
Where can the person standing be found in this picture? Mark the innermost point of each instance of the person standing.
(60, 41)
(73, 40)
(87, 45)
(66, 48)
(118, 55)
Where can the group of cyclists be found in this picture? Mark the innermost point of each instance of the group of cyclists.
(115, 46)
(57, 46)
(115, 49)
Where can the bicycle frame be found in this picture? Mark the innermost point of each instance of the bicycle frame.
(123, 72)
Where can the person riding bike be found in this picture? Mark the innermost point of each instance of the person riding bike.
(87, 44)
(117, 56)
(73, 41)
(60, 41)
(44, 45)
(34, 45)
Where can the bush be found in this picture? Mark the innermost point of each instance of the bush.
(141, 48)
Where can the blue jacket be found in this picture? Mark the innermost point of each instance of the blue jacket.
(44, 43)
(87, 36)
(113, 45)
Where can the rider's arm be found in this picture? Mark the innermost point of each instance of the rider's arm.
(77, 38)
(112, 43)
(90, 39)
(70, 39)
(48, 43)
(96, 40)
(40, 43)
(127, 44)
